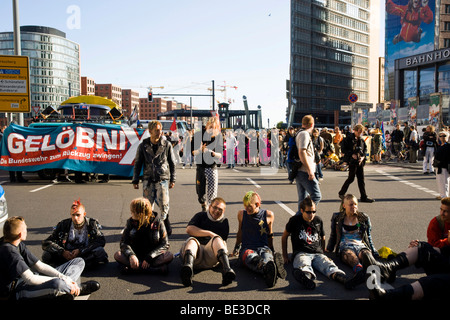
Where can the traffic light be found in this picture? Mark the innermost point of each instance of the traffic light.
(150, 96)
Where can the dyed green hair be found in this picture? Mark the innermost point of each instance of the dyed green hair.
(249, 196)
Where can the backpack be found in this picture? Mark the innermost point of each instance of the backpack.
(293, 157)
(293, 150)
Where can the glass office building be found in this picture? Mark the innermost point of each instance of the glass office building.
(54, 63)
(330, 50)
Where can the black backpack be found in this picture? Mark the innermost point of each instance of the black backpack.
(294, 158)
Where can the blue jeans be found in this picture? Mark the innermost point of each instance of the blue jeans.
(54, 287)
(305, 187)
(158, 192)
(307, 262)
(247, 256)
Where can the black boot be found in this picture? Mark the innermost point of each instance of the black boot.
(339, 277)
(89, 287)
(187, 270)
(228, 274)
(304, 279)
(389, 267)
(404, 293)
(358, 278)
(367, 259)
(279, 262)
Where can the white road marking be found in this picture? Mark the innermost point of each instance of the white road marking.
(285, 207)
(416, 186)
(254, 183)
(44, 187)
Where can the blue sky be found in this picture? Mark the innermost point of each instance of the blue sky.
(181, 45)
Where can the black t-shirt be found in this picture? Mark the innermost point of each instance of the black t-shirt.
(13, 262)
(202, 221)
(305, 237)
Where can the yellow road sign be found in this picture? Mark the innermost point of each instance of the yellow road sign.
(14, 84)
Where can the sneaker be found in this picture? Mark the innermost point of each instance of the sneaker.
(270, 274)
(368, 200)
(341, 196)
(301, 277)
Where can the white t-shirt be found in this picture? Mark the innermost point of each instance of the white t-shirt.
(303, 141)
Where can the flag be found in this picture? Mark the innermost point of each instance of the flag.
(173, 127)
(134, 117)
(384, 136)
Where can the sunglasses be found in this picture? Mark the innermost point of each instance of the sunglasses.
(442, 136)
(310, 212)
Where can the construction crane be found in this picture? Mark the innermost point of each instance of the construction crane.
(224, 89)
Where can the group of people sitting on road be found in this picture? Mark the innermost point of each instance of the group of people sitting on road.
(78, 242)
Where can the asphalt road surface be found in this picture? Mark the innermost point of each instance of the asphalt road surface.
(405, 203)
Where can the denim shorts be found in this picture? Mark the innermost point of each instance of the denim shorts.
(355, 247)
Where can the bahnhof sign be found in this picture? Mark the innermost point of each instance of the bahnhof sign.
(422, 75)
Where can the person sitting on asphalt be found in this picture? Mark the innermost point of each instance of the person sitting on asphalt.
(254, 240)
(24, 276)
(434, 261)
(308, 245)
(437, 232)
(144, 245)
(351, 238)
(77, 236)
(206, 246)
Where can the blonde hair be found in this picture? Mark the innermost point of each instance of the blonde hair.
(249, 196)
(11, 228)
(213, 123)
(307, 121)
(143, 209)
(153, 124)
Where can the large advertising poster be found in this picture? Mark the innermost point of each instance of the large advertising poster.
(410, 30)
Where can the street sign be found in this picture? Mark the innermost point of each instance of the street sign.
(353, 97)
(346, 108)
(14, 84)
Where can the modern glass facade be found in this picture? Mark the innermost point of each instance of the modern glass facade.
(54, 63)
(329, 56)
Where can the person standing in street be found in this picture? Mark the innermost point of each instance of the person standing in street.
(207, 150)
(155, 155)
(441, 163)
(430, 140)
(355, 149)
(413, 145)
(306, 179)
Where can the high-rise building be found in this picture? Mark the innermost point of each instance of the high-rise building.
(54, 63)
(334, 52)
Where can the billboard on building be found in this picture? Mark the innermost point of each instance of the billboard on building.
(410, 30)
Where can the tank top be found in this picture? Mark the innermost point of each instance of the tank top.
(255, 230)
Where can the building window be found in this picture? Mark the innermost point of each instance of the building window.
(447, 26)
(446, 43)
